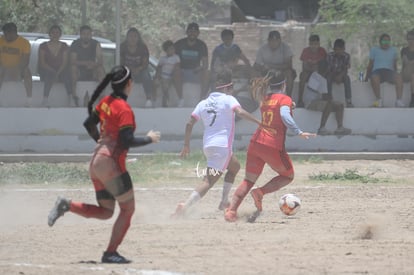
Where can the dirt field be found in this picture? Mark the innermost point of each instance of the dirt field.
(342, 228)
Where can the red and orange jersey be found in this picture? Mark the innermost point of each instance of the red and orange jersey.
(114, 115)
(272, 131)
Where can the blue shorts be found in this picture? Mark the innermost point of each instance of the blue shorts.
(385, 75)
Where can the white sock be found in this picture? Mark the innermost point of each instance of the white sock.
(194, 197)
(226, 190)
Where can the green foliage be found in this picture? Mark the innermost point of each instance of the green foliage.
(349, 175)
(369, 18)
(154, 18)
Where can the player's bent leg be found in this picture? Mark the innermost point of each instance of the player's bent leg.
(232, 170)
(103, 211)
(238, 196)
(275, 184)
(257, 196)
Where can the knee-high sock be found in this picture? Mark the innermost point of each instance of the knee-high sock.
(121, 225)
(226, 190)
(90, 210)
(275, 184)
(240, 194)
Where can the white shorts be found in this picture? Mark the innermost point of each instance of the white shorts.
(218, 157)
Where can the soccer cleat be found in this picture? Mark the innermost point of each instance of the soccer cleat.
(114, 258)
(62, 205)
(230, 215)
(252, 218)
(179, 211)
(257, 195)
(223, 205)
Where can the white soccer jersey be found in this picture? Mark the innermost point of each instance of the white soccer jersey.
(217, 114)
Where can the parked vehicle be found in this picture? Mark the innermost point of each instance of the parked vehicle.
(108, 51)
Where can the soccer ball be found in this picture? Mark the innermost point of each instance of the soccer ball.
(289, 204)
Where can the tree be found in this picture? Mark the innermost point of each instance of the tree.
(154, 18)
(370, 18)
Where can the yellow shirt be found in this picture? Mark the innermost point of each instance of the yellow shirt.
(12, 52)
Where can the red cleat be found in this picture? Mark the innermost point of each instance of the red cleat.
(230, 215)
(179, 211)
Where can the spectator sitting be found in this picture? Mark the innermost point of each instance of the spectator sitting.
(193, 54)
(14, 59)
(407, 57)
(318, 99)
(53, 61)
(338, 64)
(226, 55)
(135, 55)
(382, 67)
(168, 70)
(86, 60)
(311, 57)
(276, 55)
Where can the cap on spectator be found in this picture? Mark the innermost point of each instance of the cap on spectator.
(9, 27)
(274, 35)
(193, 26)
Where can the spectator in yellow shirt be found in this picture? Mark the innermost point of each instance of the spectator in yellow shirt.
(14, 59)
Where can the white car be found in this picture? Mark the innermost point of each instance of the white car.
(108, 51)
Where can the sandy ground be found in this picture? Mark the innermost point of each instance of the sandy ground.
(342, 228)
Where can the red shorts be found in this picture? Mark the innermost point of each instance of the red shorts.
(258, 154)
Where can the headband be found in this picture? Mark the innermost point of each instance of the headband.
(278, 84)
(122, 79)
(228, 85)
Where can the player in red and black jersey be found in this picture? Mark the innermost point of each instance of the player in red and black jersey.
(267, 145)
(107, 168)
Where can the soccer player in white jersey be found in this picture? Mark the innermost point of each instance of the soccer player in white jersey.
(217, 112)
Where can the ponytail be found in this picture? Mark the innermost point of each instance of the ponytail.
(119, 76)
(98, 91)
(260, 85)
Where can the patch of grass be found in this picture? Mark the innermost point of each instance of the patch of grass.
(351, 175)
(42, 172)
(145, 170)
